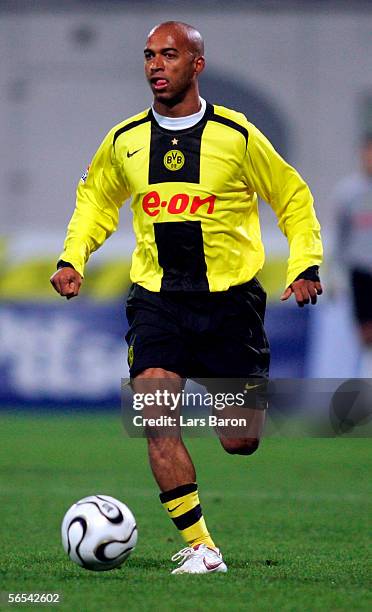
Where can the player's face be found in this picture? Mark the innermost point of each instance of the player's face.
(170, 67)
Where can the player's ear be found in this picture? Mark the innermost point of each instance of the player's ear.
(199, 63)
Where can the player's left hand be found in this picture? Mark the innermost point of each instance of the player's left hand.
(305, 291)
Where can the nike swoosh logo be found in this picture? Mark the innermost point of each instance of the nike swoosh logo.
(211, 566)
(175, 507)
(133, 152)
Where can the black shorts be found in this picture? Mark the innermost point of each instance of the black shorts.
(361, 282)
(199, 335)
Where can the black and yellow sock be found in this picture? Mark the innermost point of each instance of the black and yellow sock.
(183, 506)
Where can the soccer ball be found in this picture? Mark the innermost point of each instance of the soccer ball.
(99, 532)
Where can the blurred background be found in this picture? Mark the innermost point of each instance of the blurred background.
(300, 70)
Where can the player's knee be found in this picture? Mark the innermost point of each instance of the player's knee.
(240, 446)
(157, 373)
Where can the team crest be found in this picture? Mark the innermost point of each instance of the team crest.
(174, 160)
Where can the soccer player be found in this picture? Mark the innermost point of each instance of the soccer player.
(195, 309)
(353, 199)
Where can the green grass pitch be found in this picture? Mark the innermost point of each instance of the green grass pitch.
(292, 520)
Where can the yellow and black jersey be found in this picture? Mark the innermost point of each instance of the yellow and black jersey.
(194, 202)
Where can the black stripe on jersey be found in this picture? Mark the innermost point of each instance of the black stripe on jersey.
(130, 126)
(188, 143)
(189, 518)
(181, 255)
(232, 124)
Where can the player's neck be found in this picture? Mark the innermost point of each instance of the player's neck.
(189, 105)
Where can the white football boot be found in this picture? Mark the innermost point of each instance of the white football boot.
(199, 560)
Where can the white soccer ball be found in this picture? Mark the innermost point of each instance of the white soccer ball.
(99, 532)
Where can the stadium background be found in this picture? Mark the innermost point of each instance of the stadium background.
(299, 70)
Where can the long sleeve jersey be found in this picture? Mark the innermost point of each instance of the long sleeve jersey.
(194, 196)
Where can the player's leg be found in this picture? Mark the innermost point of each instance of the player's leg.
(170, 461)
(241, 439)
(155, 339)
(240, 427)
(174, 472)
(236, 354)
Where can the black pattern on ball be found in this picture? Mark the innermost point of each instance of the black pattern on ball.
(100, 550)
(83, 523)
(116, 520)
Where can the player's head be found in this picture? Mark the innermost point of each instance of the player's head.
(366, 153)
(173, 60)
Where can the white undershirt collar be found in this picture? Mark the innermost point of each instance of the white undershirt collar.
(180, 123)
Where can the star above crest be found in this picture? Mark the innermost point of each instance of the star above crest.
(175, 141)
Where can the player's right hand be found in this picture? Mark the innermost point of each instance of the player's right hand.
(67, 282)
(304, 291)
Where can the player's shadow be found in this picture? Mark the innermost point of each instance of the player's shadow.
(145, 563)
(252, 562)
(71, 573)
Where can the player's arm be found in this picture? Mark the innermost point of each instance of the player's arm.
(287, 193)
(100, 194)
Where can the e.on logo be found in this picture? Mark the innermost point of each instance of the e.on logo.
(178, 203)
